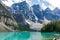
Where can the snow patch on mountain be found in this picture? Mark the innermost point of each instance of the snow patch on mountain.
(34, 14)
(34, 25)
(43, 6)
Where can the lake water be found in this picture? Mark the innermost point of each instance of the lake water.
(27, 36)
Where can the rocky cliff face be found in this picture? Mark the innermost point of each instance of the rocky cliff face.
(20, 11)
(7, 22)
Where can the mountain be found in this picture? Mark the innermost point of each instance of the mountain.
(56, 11)
(33, 13)
(38, 13)
(50, 15)
(33, 16)
(25, 14)
(19, 10)
(7, 22)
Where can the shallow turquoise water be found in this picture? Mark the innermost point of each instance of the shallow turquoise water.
(26, 35)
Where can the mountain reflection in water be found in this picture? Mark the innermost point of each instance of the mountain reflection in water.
(27, 35)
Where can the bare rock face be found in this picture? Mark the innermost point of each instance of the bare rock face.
(7, 22)
(4, 28)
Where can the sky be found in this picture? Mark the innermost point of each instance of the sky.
(43, 3)
(10, 2)
(55, 3)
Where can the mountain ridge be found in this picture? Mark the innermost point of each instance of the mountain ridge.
(35, 13)
(26, 15)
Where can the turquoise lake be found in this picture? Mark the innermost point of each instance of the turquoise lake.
(27, 35)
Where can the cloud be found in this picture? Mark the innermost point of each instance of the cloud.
(32, 2)
(43, 6)
(16, 1)
(44, 3)
(10, 2)
(52, 4)
(29, 2)
(55, 3)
